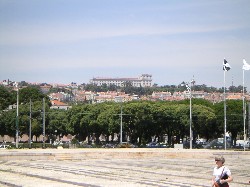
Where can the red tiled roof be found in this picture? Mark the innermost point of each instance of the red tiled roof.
(57, 103)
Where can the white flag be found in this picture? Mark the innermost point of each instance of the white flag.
(246, 66)
(226, 66)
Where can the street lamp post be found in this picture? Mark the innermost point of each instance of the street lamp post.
(190, 117)
(120, 100)
(43, 123)
(121, 122)
(17, 117)
(189, 88)
(30, 126)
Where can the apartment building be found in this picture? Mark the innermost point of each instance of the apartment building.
(144, 80)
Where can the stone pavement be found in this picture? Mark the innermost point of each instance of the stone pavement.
(118, 167)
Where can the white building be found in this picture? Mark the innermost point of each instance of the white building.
(161, 95)
(145, 80)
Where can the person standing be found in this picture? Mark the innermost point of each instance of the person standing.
(221, 174)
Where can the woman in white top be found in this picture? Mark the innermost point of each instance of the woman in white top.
(221, 174)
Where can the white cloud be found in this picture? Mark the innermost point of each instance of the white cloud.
(56, 33)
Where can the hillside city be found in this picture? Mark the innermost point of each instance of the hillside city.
(100, 90)
(113, 89)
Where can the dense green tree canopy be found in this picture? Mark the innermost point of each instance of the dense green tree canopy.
(234, 117)
(6, 98)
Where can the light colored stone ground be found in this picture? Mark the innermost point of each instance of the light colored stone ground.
(118, 167)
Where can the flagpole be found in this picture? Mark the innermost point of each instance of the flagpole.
(225, 113)
(244, 113)
(246, 66)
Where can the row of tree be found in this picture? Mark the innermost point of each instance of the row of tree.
(141, 120)
(129, 89)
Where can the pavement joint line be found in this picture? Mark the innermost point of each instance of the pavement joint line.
(152, 182)
(92, 172)
(9, 184)
(103, 170)
(50, 178)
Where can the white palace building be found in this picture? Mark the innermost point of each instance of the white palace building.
(145, 80)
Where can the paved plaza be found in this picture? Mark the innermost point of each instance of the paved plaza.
(118, 168)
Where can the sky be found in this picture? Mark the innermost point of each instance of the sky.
(64, 41)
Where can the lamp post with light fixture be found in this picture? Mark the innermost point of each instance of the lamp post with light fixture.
(17, 117)
(121, 120)
(189, 88)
